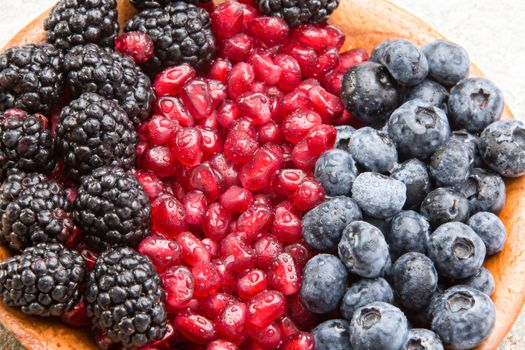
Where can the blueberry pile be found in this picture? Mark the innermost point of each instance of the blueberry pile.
(412, 204)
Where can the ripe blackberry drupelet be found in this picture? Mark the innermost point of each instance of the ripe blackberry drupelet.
(94, 132)
(78, 22)
(181, 33)
(44, 280)
(112, 208)
(124, 298)
(26, 142)
(91, 68)
(296, 12)
(143, 4)
(31, 77)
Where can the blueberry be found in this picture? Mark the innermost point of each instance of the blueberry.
(418, 129)
(324, 283)
(405, 62)
(378, 195)
(502, 147)
(430, 92)
(409, 232)
(382, 224)
(448, 62)
(414, 174)
(336, 170)
(373, 150)
(457, 251)
(490, 229)
(414, 279)
(363, 292)
(423, 339)
(363, 250)
(484, 190)
(450, 164)
(462, 317)
(323, 225)
(378, 326)
(474, 104)
(471, 143)
(344, 135)
(369, 92)
(482, 281)
(378, 52)
(332, 335)
(444, 205)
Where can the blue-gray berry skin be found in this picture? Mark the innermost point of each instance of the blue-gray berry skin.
(378, 195)
(462, 317)
(369, 92)
(471, 143)
(409, 232)
(414, 174)
(423, 339)
(378, 51)
(378, 326)
(344, 135)
(456, 250)
(324, 283)
(474, 104)
(382, 224)
(484, 190)
(323, 225)
(448, 62)
(373, 150)
(431, 92)
(450, 164)
(444, 205)
(363, 250)
(405, 62)
(418, 128)
(490, 229)
(336, 171)
(364, 292)
(502, 147)
(483, 281)
(414, 279)
(332, 335)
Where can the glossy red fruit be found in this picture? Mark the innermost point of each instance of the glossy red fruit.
(170, 81)
(216, 222)
(265, 308)
(195, 204)
(309, 194)
(159, 160)
(304, 318)
(207, 179)
(296, 125)
(167, 215)
(195, 327)
(227, 114)
(193, 250)
(291, 75)
(220, 69)
(265, 69)
(332, 81)
(266, 249)
(312, 35)
(293, 101)
(305, 56)
(237, 48)
(89, 257)
(326, 62)
(286, 181)
(179, 286)
(321, 138)
(256, 107)
(326, 104)
(269, 337)
(299, 341)
(159, 130)
(212, 247)
(249, 13)
(197, 98)
(283, 274)
(221, 345)
(257, 173)
(187, 146)
(169, 341)
(151, 184)
(237, 254)
(226, 19)
(245, 125)
(226, 169)
(240, 79)
(172, 107)
(207, 279)
(251, 283)
(270, 132)
(162, 251)
(262, 199)
(211, 142)
(336, 36)
(300, 252)
(217, 92)
(270, 30)
(213, 305)
(231, 322)
(256, 220)
(76, 317)
(287, 326)
(303, 157)
(236, 199)
(352, 57)
(239, 146)
(286, 225)
(137, 45)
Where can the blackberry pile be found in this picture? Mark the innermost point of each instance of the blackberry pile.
(296, 12)
(143, 4)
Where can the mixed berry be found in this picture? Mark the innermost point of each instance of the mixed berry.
(223, 177)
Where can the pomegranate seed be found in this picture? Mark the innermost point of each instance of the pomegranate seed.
(236, 199)
(268, 337)
(321, 138)
(217, 91)
(158, 159)
(76, 317)
(213, 305)
(230, 323)
(257, 173)
(300, 253)
(237, 48)
(194, 203)
(300, 314)
(256, 107)
(327, 61)
(193, 251)
(240, 79)
(167, 215)
(302, 156)
(240, 147)
(309, 194)
(286, 181)
(207, 279)
(211, 142)
(259, 86)
(255, 220)
(293, 101)
(136, 45)
(327, 105)
(171, 80)
(226, 19)
(178, 285)
(169, 341)
(172, 107)
(196, 96)
(211, 246)
(312, 35)
(207, 179)
(249, 13)
(336, 36)
(238, 255)
(163, 252)
(221, 345)
(245, 125)
(299, 341)
(225, 169)
(270, 132)
(306, 57)
(264, 200)
(306, 85)
(89, 257)
(103, 341)
(296, 125)
(289, 206)
(283, 275)
(287, 326)
(220, 69)
(251, 283)
(291, 72)
(265, 308)
(195, 327)
(217, 222)
(351, 58)
(270, 30)
(332, 81)
(160, 129)
(151, 184)
(266, 249)
(286, 226)
(265, 69)
(252, 344)
(228, 112)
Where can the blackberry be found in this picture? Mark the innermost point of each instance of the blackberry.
(181, 33)
(296, 12)
(26, 142)
(112, 208)
(95, 132)
(91, 68)
(124, 298)
(44, 280)
(143, 4)
(79, 22)
(15, 183)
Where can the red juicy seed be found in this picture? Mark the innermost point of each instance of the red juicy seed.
(167, 215)
(208, 180)
(228, 112)
(238, 47)
(187, 146)
(193, 251)
(230, 323)
(229, 278)
(332, 81)
(268, 337)
(240, 79)
(287, 326)
(327, 105)
(262, 199)
(265, 308)
(196, 96)
(238, 255)
(299, 341)
(195, 204)
(309, 194)
(169, 340)
(217, 92)
(305, 56)
(300, 254)
(160, 129)
(236, 199)
(296, 125)
(151, 184)
(351, 58)
(270, 30)
(266, 249)
(226, 19)
(336, 36)
(349, 119)
(136, 45)
(158, 159)
(286, 181)
(216, 222)
(211, 246)
(226, 169)
(249, 13)
(302, 157)
(195, 327)
(257, 173)
(220, 69)
(321, 138)
(207, 279)
(312, 35)
(283, 275)
(259, 86)
(240, 147)
(89, 257)
(286, 226)
(256, 107)
(163, 252)
(307, 84)
(213, 305)
(172, 107)
(252, 344)
(291, 72)
(211, 142)
(289, 206)
(304, 318)
(178, 285)
(270, 132)
(265, 69)
(293, 101)
(76, 317)
(103, 341)
(251, 284)
(221, 345)
(327, 61)
(171, 80)
(246, 126)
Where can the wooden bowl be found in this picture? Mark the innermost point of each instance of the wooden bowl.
(366, 23)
